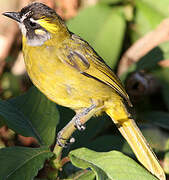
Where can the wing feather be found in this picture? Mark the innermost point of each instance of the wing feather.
(81, 56)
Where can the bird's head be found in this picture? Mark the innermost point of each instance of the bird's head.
(38, 23)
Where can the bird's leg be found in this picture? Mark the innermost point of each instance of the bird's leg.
(78, 122)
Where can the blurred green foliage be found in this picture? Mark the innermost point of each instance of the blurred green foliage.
(111, 26)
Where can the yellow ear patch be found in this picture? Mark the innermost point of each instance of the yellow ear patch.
(40, 32)
(46, 23)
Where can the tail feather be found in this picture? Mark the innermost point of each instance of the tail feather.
(141, 148)
(139, 145)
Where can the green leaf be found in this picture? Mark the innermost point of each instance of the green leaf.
(42, 113)
(31, 114)
(110, 1)
(149, 13)
(158, 118)
(115, 142)
(153, 16)
(82, 175)
(146, 19)
(16, 120)
(166, 163)
(89, 175)
(150, 60)
(162, 75)
(10, 85)
(154, 135)
(109, 165)
(162, 7)
(22, 162)
(2, 144)
(104, 29)
(110, 141)
(86, 137)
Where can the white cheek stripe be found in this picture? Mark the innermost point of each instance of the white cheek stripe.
(31, 19)
(37, 40)
(21, 24)
(22, 28)
(25, 16)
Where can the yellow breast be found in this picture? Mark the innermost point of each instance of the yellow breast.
(60, 82)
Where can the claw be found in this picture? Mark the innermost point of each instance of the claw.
(72, 140)
(65, 144)
(78, 125)
(59, 143)
(59, 139)
(78, 121)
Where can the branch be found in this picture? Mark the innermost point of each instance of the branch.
(144, 45)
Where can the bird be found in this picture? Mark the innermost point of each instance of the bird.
(70, 73)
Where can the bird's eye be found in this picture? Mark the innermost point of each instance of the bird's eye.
(32, 24)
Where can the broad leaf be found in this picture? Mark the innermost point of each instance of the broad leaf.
(162, 7)
(158, 118)
(154, 135)
(22, 162)
(110, 1)
(16, 120)
(86, 137)
(82, 175)
(109, 165)
(87, 176)
(162, 75)
(166, 163)
(31, 114)
(150, 61)
(110, 142)
(9, 84)
(146, 18)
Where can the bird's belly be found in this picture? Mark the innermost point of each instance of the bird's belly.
(66, 86)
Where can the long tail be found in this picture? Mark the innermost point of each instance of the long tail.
(136, 140)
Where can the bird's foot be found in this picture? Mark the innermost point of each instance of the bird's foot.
(64, 143)
(78, 125)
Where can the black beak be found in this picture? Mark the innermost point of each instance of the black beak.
(13, 15)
